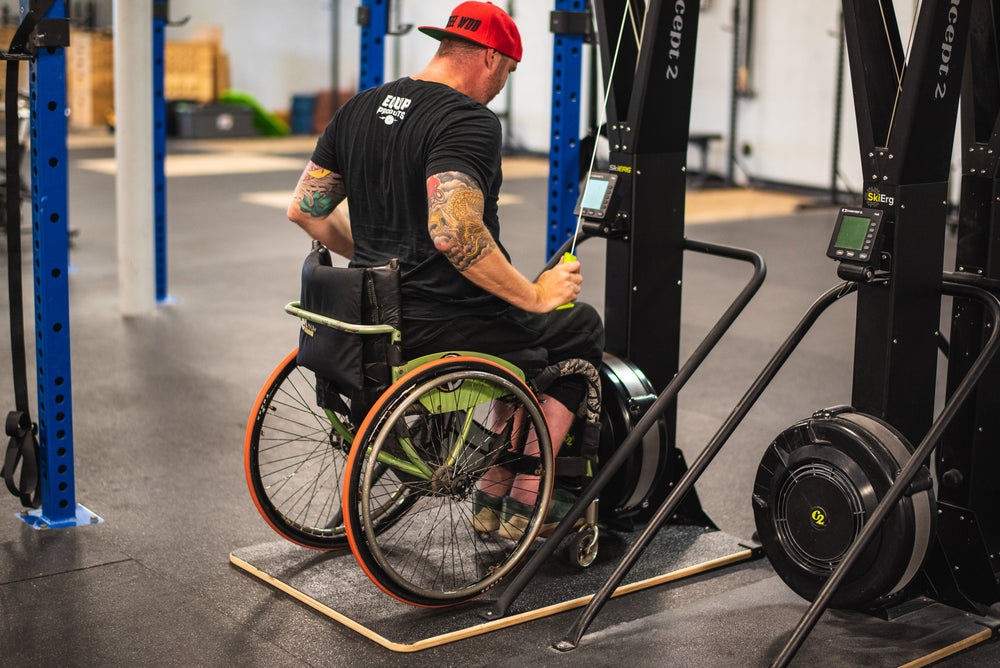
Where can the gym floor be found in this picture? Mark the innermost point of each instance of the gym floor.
(160, 407)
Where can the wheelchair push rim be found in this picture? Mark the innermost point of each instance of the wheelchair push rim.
(431, 556)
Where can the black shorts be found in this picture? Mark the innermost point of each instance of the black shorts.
(573, 333)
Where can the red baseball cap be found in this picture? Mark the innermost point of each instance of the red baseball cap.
(483, 23)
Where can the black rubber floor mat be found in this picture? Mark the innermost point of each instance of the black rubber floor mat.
(335, 585)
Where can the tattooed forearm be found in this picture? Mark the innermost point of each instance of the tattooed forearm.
(455, 219)
(319, 191)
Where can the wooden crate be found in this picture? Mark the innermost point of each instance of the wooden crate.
(89, 108)
(195, 70)
(191, 70)
(90, 52)
(90, 78)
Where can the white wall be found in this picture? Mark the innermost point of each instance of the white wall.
(279, 49)
(276, 49)
(787, 124)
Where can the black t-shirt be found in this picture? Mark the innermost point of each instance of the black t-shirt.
(385, 142)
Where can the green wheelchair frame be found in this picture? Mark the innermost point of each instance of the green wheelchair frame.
(440, 402)
(408, 473)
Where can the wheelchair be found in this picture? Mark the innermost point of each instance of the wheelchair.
(349, 445)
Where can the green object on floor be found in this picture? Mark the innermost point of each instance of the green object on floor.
(266, 123)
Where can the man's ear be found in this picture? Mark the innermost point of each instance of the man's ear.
(492, 59)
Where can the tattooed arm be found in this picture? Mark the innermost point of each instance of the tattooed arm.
(314, 209)
(455, 222)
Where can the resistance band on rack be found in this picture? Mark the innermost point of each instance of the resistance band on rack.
(22, 449)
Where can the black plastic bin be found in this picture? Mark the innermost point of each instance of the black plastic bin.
(187, 120)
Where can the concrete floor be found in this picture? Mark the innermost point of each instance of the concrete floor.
(160, 408)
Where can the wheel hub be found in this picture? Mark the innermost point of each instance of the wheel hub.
(446, 482)
(337, 442)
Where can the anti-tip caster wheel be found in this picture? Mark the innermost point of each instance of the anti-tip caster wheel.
(582, 550)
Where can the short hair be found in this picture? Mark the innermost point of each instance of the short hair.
(458, 46)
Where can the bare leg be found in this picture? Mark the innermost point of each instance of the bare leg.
(559, 419)
(497, 481)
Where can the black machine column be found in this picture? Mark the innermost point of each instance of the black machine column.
(906, 131)
(648, 118)
(968, 459)
(648, 122)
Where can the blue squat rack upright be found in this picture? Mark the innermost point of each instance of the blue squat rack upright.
(161, 14)
(41, 39)
(568, 22)
(49, 27)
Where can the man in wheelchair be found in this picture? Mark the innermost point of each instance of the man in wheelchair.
(418, 161)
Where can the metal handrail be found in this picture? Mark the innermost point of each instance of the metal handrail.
(634, 438)
(686, 483)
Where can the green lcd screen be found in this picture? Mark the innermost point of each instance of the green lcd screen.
(853, 230)
(593, 196)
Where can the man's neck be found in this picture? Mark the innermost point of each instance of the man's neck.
(441, 71)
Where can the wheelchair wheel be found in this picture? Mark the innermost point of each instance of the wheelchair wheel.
(294, 456)
(434, 434)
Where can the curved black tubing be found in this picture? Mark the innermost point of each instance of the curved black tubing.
(558, 255)
(955, 284)
(624, 451)
(672, 502)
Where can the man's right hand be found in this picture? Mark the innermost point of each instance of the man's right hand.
(557, 286)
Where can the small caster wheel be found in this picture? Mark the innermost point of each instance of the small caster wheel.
(583, 546)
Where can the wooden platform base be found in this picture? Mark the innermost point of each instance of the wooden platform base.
(334, 585)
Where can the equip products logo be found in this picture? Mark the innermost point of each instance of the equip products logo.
(875, 198)
(393, 109)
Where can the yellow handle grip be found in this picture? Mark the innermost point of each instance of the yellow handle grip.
(567, 257)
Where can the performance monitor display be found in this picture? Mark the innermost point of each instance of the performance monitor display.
(593, 196)
(596, 196)
(856, 235)
(853, 230)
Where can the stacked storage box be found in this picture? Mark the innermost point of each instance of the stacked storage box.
(191, 71)
(90, 79)
(194, 71)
